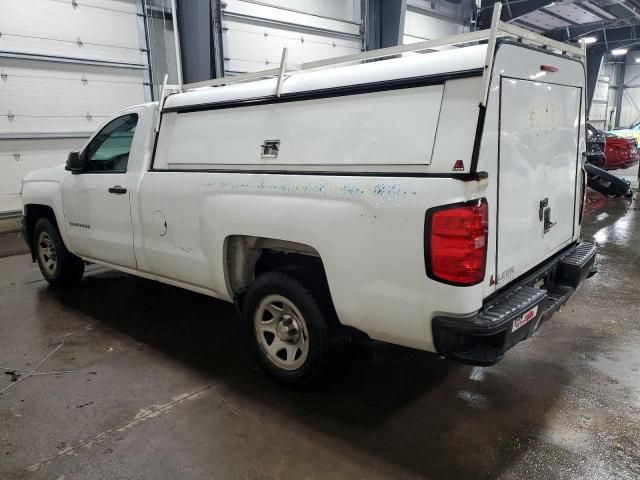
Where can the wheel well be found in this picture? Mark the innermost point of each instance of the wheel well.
(246, 257)
(31, 215)
(249, 256)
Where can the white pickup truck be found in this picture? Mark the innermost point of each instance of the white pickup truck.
(428, 200)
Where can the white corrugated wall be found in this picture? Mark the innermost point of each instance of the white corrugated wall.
(425, 20)
(65, 67)
(630, 109)
(601, 103)
(255, 32)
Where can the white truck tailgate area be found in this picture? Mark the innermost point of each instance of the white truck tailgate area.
(537, 168)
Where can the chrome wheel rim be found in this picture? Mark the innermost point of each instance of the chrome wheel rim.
(47, 253)
(281, 332)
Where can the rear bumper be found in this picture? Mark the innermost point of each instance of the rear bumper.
(514, 315)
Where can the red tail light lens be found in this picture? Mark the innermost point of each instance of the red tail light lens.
(456, 243)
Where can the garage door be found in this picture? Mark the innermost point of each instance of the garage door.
(425, 20)
(255, 32)
(65, 67)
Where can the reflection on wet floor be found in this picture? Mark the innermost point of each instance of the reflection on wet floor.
(162, 387)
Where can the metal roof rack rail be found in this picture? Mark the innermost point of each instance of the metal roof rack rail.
(499, 29)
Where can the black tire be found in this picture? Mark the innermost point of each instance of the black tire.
(310, 300)
(66, 269)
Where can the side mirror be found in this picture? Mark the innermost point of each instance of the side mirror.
(75, 162)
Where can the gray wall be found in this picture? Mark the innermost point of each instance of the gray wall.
(630, 108)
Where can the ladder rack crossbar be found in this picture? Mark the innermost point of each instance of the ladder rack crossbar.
(337, 61)
(499, 29)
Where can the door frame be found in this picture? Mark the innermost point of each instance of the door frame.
(499, 152)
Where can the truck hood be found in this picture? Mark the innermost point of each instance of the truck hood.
(52, 174)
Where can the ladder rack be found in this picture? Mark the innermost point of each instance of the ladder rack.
(499, 29)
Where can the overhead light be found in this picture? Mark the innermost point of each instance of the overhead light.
(619, 51)
(637, 59)
(588, 40)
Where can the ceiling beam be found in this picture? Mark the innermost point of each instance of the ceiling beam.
(616, 37)
(595, 10)
(619, 8)
(512, 10)
(575, 31)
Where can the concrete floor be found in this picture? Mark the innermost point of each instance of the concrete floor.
(161, 386)
(9, 223)
(12, 243)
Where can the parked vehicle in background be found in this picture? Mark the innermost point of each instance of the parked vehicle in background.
(630, 132)
(610, 151)
(454, 228)
(606, 183)
(620, 152)
(596, 142)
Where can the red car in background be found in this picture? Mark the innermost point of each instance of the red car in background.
(620, 152)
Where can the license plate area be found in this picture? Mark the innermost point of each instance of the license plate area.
(524, 319)
(523, 326)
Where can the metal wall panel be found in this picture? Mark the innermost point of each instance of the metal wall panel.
(46, 97)
(426, 20)
(602, 90)
(65, 67)
(598, 113)
(163, 53)
(419, 27)
(58, 28)
(251, 47)
(630, 108)
(254, 33)
(348, 10)
(19, 157)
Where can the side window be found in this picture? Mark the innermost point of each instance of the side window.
(109, 149)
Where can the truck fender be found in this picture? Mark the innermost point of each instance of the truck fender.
(316, 224)
(47, 194)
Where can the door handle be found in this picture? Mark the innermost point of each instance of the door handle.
(118, 190)
(270, 149)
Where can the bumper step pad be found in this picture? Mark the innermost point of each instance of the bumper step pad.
(483, 338)
(571, 267)
(514, 303)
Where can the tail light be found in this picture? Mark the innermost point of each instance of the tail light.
(456, 243)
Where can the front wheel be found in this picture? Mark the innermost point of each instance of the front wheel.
(288, 328)
(58, 265)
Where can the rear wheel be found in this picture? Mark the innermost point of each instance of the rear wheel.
(59, 267)
(288, 327)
